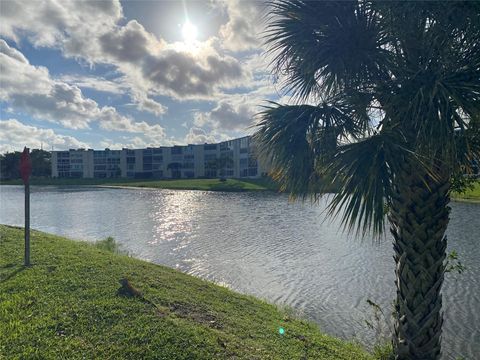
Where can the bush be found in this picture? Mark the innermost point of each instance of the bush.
(109, 244)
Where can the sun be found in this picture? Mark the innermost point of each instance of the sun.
(189, 32)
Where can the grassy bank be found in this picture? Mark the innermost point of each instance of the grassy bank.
(469, 195)
(180, 184)
(66, 306)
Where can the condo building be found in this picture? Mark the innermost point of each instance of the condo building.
(229, 159)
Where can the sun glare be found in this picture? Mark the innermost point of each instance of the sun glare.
(189, 32)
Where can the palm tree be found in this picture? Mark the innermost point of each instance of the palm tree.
(385, 96)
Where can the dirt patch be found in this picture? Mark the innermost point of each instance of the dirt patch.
(198, 315)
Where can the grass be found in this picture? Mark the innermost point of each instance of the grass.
(471, 194)
(66, 306)
(180, 184)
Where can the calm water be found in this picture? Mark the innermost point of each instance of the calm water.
(261, 244)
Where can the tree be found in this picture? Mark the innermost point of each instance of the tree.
(385, 95)
(10, 162)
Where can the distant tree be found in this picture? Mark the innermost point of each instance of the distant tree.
(10, 164)
(393, 91)
(41, 163)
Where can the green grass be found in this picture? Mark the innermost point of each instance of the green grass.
(207, 184)
(180, 184)
(66, 306)
(472, 194)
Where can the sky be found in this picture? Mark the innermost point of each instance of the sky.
(114, 74)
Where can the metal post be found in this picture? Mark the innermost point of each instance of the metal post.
(27, 224)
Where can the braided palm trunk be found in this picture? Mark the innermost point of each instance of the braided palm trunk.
(419, 216)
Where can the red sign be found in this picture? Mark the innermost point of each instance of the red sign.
(25, 165)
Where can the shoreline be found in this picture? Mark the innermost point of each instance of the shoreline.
(229, 185)
(72, 287)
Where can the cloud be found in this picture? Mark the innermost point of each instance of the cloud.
(143, 103)
(118, 87)
(110, 121)
(136, 142)
(199, 136)
(68, 24)
(244, 27)
(150, 64)
(14, 135)
(115, 86)
(32, 90)
(235, 114)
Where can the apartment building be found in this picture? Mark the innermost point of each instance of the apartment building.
(229, 159)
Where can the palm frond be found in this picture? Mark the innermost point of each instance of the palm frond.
(293, 139)
(364, 172)
(324, 46)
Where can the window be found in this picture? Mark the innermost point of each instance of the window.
(188, 157)
(147, 167)
(243, 150)
(210, 157)
(243, 163)
(157, 158)
(189, 174)
(244, 142)
(147, 159)
(130, 160)
(188, 165)
(157, 151)
(177, 150)
(210, 147)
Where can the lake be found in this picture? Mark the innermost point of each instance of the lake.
(262, 244)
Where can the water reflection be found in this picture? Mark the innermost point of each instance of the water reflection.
(263, 245)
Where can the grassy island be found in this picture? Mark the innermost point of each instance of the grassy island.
(66, 306)
(236, 185)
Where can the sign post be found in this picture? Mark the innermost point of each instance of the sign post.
(25, 172)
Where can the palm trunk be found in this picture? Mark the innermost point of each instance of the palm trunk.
(419, 216)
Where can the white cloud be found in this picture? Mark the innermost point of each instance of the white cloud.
(115, 86)
(199, 136)
(235, 113)
(144, 103)
(244, 29)
(68, 24)
(135, 142)
(149, 64)
(32, 90)
(14, 135)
